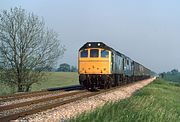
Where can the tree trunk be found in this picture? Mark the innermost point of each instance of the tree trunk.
(27, 88)
(20, 88)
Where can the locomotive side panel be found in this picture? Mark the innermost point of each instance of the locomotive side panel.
(128, 67)
(118, 64)
(136, 69)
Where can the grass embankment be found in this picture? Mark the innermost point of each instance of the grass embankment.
(157, 102)
(54, 79)
(57, 79)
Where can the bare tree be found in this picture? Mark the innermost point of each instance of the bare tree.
(27, 48)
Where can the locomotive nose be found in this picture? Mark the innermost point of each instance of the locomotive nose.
(94, 67)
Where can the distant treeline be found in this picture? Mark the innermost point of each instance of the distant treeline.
(62, 68)
(173, 75)
(66, 68)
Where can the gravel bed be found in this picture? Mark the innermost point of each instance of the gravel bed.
(3, 103)
(64, 112)
(30, 107)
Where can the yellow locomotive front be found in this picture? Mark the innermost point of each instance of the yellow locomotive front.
(94, 62)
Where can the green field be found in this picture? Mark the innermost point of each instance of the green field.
(57, 79)
(157, 102)
(54, 79)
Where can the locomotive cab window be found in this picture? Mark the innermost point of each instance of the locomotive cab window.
(104, 53)
(94, 53)
(84, 53)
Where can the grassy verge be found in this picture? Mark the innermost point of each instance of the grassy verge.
(57, 79)
(54, 79)
(157, 102)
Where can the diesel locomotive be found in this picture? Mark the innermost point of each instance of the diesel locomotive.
(100, 66)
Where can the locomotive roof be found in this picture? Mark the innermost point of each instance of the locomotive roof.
(104, 46)
(95, 45)
(101, 45)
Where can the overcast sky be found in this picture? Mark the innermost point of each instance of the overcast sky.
(148, 31)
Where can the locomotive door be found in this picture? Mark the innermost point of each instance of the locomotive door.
(123, 64)
(132, 67)
(112, 62)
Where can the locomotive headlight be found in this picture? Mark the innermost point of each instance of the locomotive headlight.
(89, 45)
(99, 44)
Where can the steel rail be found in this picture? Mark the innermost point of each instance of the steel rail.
(44, 107)
(36, 101)
(27, 96)
(37, 93)
(21, 94)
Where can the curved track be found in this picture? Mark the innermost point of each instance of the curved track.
(45, 103)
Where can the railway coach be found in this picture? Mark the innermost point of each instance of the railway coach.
(100, 66)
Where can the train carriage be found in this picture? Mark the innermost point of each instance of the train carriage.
(100, 66)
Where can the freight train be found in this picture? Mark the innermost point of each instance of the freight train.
(100, 66)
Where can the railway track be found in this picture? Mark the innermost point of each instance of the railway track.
(48, 102)
(38, 93)
(24, 95)
(36, 101)
(22, 109)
